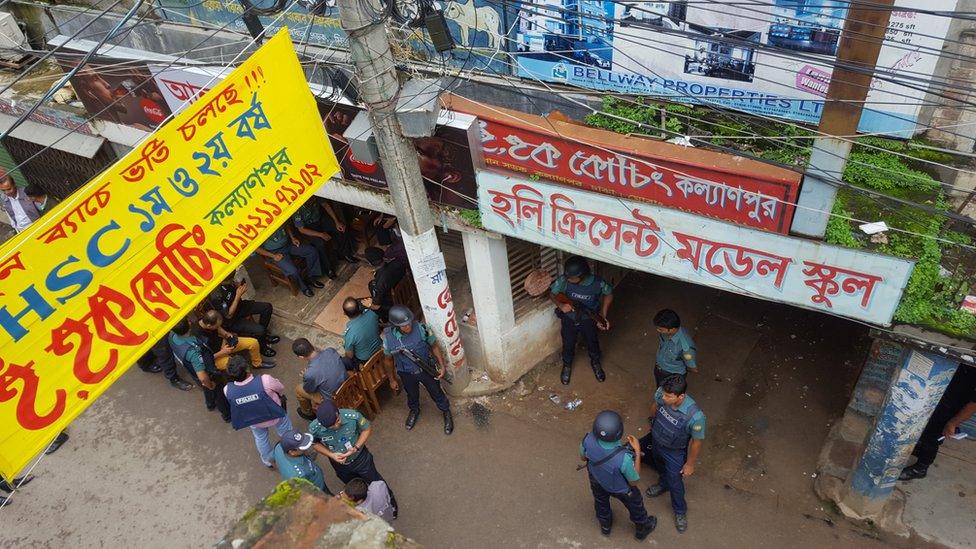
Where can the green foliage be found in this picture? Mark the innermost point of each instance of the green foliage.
(286, 493)
(839, 230)
(471, 217)
(883, 171)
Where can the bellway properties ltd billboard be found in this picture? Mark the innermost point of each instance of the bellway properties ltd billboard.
(768, 58)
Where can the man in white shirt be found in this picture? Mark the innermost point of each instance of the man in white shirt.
(17, 204)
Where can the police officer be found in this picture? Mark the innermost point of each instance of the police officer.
(280, 246)
(228, 300)
(341, 435)
(612, 468)
(677, 429)
(387, 273)
(581, 298)
(405, 343)
(675, 349)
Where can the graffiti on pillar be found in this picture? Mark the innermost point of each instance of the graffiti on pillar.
(454, 349)
(879, 370)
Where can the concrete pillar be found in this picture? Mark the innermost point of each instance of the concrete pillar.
(491, 291)
(826, 166)
(913, 395)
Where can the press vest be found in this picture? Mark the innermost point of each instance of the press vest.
(588, 296)
(250, 404)
(670, 428)
(414, 341)
(607, 473)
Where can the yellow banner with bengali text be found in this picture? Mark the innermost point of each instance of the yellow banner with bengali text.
(91, 286)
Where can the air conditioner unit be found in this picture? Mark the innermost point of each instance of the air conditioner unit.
(11, 37)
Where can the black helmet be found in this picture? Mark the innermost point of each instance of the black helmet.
(576, 266)
(608, 426)
(400, 315)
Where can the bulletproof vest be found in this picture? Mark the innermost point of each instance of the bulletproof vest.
(587, 296)
(414, 341)
(607, 473)
(250, 404)
(670, 428)
(180, 350)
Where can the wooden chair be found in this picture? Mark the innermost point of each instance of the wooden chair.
(372, 375)
(351, 395)
(277, 276)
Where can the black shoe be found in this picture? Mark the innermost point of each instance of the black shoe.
(605, 528)
(655, 491)
(211, 407)
(601, 376)
(271, 340)
(307, 292)
(268, 352)
(180, 384)
(17, 483)
(58, 441)
(644, 530)
(265, 365)
(316, 284)
(412, 419)
(225, 418)
(152, 368)
(566, 373)
(681, 523)
(302, 414)
(4, 502)
(351, 259)
(331, 274)
(912, 473)
(448, 423)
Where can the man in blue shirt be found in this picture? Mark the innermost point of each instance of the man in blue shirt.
(676, 353)
(677, 429)
(322, 377)
(291, 458)
(612, 469)
(362, 337)
(583, 302)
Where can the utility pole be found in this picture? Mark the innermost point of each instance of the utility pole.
(860, 44)
(379, 88)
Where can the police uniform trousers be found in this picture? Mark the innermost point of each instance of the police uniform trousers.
(632, 500)
(215, 398)
(956, 396)
(162, 354)
(572, 329)
(668, 463)
(362, 467)
(342, 243)
(287, 266)
(411, 385)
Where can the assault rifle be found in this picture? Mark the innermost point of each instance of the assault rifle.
(578, 308)
(424, 365)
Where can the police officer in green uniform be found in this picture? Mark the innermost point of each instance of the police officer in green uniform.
(340, 435)
(675, 348)
(612, 468)
(677, 429)
(280, 246)
(581, 298)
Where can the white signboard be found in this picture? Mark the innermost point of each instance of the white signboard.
(181, 86)
(695, 249)
(770, 58)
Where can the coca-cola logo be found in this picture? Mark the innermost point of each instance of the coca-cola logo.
(359, 165)
(153, 111)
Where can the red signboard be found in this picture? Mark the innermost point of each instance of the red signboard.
(708, 183)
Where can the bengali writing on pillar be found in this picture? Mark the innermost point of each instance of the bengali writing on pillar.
(183, 258)
(557, 215)
(747, 201)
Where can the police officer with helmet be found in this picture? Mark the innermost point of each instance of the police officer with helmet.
(612, 468)
(410, 349)
(583, 301)
(677, 431)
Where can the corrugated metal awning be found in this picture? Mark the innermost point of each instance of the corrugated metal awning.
(57, 138)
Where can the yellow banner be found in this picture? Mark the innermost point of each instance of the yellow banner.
(87, 289)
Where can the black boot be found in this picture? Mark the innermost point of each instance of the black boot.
(605, 528)
(412, 419)
(17, 483)
(448, 423)
(56, 443)
(566, 373)
(913, 472)
(644, 530)
(601, 376)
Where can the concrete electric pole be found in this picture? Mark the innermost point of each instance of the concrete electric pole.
(379, 88)
(857, 56)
